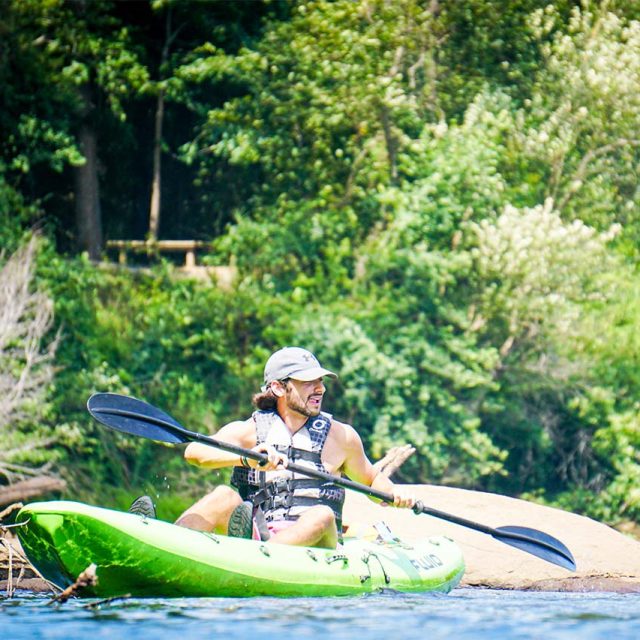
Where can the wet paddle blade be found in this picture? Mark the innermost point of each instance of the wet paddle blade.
(133, 416)
(537, 543)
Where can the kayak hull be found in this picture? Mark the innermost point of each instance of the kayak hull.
(147, 557)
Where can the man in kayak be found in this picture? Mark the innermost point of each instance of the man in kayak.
(271, 502)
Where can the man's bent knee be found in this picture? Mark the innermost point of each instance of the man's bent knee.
(211, 512)
(222, 495)
(323, 515)
(323, 521)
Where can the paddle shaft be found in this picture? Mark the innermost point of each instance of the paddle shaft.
(165, 429)
(307, 471)
(192, 436)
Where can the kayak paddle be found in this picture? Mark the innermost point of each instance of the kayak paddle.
(135, 417)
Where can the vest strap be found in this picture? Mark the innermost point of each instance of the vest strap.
(287, 485)
(294, 454)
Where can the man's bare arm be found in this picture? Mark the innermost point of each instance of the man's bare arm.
(239, 433)
(359, 468)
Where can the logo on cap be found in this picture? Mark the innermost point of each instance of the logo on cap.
(295, 363)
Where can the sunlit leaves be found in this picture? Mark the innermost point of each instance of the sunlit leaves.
(535, 270)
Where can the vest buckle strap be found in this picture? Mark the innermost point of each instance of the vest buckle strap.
(280, 485)
(281, 501)
(284, 449)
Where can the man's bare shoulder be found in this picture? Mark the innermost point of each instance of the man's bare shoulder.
(344, 432)
(348, 443)
(242, 432)
(238, 425)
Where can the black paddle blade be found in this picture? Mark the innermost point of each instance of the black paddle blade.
(136, 417)
(537, 543)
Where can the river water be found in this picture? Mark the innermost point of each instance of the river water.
(480, 614)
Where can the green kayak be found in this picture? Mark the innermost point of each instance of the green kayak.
(146, 557)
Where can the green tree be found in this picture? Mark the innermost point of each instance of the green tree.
(329, 103)
(177, 34)
(578, 129)
(73, 57)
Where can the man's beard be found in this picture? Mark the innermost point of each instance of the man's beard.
(299, 407)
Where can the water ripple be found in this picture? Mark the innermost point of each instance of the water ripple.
(465, 613)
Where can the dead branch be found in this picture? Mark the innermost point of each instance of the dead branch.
(10, 587)
(583, 168)
(99, 603)
(10, 509)
(26, 317)
(87, 578)
(19, 559)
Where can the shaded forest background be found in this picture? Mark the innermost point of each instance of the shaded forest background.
(441, 199)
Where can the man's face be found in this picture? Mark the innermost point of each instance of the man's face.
(305, 397)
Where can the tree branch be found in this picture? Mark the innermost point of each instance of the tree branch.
(582, 170)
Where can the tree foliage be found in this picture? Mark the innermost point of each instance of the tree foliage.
(440, 199)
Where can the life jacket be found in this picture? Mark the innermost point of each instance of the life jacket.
(282, 494)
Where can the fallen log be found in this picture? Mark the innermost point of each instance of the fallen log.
(24, 490)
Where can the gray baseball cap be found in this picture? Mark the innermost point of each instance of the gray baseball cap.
(296, 363)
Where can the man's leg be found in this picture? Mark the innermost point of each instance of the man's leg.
(314, 528)
(212, 512)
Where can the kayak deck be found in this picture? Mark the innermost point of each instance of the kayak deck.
(148, 557)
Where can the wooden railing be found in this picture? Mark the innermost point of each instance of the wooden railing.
(224, 275)
(188, 247)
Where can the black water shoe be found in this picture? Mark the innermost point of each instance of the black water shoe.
(143, 506)
(241, 521)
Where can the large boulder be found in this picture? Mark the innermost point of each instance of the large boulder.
(606, 559)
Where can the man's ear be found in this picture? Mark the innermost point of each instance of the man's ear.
(278, 389)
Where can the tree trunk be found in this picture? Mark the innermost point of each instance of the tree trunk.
(87, 187)
(392, 144)
(154, 210)
(156, 184)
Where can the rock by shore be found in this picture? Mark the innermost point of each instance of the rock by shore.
(606, 559)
